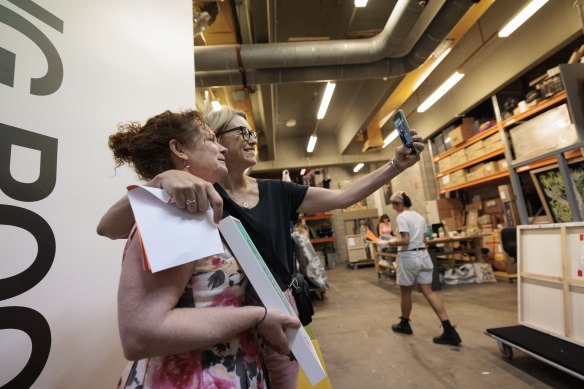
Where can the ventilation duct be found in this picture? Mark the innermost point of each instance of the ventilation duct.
(446, 18)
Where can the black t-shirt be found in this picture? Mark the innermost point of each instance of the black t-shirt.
(268, 223)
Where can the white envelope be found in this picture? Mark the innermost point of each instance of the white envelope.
(170, 236)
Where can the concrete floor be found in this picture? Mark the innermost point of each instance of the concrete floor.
(352, 325)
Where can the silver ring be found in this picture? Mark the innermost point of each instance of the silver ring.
(189, 202)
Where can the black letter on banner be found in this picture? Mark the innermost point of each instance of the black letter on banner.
(37, 328)
(50, 82)
(40, 229)
(45, 184)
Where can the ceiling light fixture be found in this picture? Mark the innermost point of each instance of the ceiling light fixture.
(358, 167)
(290, 123)
(526, 12)
(385, 119)
(326, 99)
(360, 3)
(441, 91)
(302, 172)
(432, 67)
(390, 138)
(216, 105)
(311, 143)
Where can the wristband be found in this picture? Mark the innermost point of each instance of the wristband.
(263, 318)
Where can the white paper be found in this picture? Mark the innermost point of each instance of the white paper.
(269, 292)
(171, 236)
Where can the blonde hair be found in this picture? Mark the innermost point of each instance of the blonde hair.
(219, 120)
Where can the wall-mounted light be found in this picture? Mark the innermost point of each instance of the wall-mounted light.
(326, 99)
(358, 167)
(311, 143)
(390, 138)
(441, 91)
(521, 17)
(216, 105)
(360, 3)
(302, 172)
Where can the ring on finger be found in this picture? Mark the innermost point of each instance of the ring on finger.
(189, 202)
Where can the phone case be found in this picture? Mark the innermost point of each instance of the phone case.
(403, 129)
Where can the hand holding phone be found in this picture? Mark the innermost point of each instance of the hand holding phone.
(403, 129)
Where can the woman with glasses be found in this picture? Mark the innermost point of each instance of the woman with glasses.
(190, 325)
(414, 266)
(266, 208)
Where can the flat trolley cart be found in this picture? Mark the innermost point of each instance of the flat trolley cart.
(550, 297)
(562, 354)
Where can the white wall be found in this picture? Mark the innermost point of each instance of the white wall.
(121, 61)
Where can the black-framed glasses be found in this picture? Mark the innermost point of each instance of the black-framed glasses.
(246, 133)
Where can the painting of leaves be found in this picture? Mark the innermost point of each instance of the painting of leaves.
(552, 190)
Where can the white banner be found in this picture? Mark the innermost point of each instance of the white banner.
(70, 71)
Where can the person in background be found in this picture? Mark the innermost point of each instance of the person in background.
(265, 207)
(306, 255)
(187, 326)
(384, 230)
(414, 265)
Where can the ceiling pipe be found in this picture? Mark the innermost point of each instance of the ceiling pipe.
(386, 44)
(443, 23)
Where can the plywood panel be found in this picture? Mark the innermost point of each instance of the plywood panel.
(577, 317)
(541, 250)
(575, 251)
(542, 306)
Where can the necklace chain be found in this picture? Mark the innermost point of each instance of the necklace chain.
(244, 204)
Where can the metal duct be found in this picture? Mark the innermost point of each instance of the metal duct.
(290, 55)
(445, 20)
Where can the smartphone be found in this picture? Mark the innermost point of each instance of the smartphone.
(403, 129)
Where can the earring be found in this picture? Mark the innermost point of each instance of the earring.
(186, 164)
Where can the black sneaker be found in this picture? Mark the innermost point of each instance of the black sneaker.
(448, 337)
(403, 327)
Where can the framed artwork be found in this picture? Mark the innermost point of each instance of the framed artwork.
(552, 191)
(387, 192)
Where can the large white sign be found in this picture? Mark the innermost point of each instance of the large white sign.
(70, 71)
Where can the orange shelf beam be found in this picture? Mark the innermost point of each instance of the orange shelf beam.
(320, 217)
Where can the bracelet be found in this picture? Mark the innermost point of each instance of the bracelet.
(392, 163)
(263, 318)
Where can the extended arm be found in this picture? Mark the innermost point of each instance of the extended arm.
(119, 219)
(403, 240)
(150, 325)
(321, 199)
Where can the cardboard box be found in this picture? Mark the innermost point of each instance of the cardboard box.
(438, 210)
(505, 192)
(502, 165)
(475, 172)
(354, 242)
(478, 145)
(493, 139)
(490, 168)
(444, 164)
(357, 255)
(475, 153)
(493, 147)
(548, 131)
(493, 206)
(458, 158)
(460, 134)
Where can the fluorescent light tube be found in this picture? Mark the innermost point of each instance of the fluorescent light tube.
(302, 172)
(360, 3)
(521, 17)
(432, 67)
(311, 143)
(326, 99)
(385, 119)
(358, 167)
(441, 91)
(390, 138)
(216, 105)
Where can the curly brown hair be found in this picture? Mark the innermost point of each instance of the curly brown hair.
(146, 147)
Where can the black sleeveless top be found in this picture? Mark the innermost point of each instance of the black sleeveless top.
(268, 223)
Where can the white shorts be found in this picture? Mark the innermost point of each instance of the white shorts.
(414, 267)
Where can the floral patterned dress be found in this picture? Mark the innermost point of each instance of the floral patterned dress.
(217, 281)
